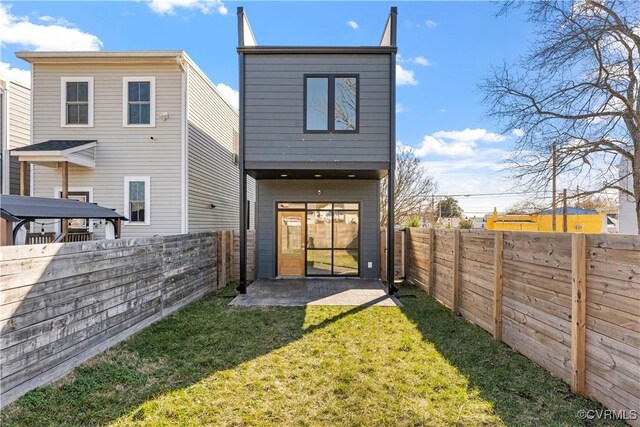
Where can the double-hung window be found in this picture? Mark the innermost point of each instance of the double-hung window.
(137, 195)
(331, 103)
(139, 104)
(76, 94)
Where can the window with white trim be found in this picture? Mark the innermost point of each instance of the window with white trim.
(137, 203)
(139, 103)
(76, 94)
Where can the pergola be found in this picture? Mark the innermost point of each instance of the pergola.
(21, 210)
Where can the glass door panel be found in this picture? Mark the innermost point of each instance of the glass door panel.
(291, 243)
(345, 230)
(319, 262)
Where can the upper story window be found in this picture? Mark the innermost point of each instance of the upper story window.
(77, 101)
(139, 103)
(331, 103)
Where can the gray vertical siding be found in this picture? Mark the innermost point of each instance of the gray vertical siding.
(363, 191)
(213, 177)
(274, 99)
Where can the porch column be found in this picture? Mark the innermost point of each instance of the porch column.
(65, 192)
(23, 178)
(242, 286)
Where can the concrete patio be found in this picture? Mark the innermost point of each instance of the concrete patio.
(315, 291)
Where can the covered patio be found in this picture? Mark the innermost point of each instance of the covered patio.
(293, 292)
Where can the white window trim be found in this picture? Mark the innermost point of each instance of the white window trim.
(147, 199)
(152, 101)
(57, 194)
(63, 101)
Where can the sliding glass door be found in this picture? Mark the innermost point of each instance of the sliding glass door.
(332, 238)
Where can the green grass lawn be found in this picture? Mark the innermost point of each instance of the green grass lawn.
(211, 364)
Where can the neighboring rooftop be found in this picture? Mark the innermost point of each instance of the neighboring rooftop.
(125, 56)
(56, 145)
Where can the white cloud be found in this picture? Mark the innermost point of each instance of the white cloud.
(401, 108)
(430, 24)
(404, 76)
(353, 24)
(459, 143)
(15, 74)
(518, 132)
(20, 31)
(441, 147)
(421, 60)
(473, 135)
(443, 110)
(168, 7)
(229, 94)
(55, 21)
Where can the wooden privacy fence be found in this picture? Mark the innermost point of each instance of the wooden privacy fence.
(571, 303)
(398, 254)
(62, 303)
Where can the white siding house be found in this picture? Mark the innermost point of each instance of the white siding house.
(146, 131)
(627, 219)
(15, 131)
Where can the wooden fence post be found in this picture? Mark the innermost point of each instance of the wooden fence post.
(455, 297)
(578, 312)
(432, 262)
(498, 252)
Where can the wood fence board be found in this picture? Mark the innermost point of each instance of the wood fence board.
(63, 303)
(538, 300)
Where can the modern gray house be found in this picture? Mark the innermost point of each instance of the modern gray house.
(317, 133)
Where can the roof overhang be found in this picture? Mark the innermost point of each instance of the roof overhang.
(81, 155)
(318, 49)
(316, 170)
(168, 57)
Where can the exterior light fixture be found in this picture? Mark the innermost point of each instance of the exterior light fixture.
(318, 176)
(351, 175)
(284, 175)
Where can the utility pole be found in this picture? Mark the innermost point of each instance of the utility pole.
(433, 211)
(553, 188)
(564, 211)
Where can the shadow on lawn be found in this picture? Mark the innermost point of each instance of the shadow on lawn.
(172, 354)
(522, 392)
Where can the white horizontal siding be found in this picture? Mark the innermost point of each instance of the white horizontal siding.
(18, 115)
(213, 177)
(120, 151)
(18, 112)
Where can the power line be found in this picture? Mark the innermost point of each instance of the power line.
(490, 194)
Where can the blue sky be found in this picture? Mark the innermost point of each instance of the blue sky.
(445, 49)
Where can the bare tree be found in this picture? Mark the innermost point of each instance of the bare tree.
(413, 191)
(579, 88)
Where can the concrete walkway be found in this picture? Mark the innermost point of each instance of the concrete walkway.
(315, 291)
